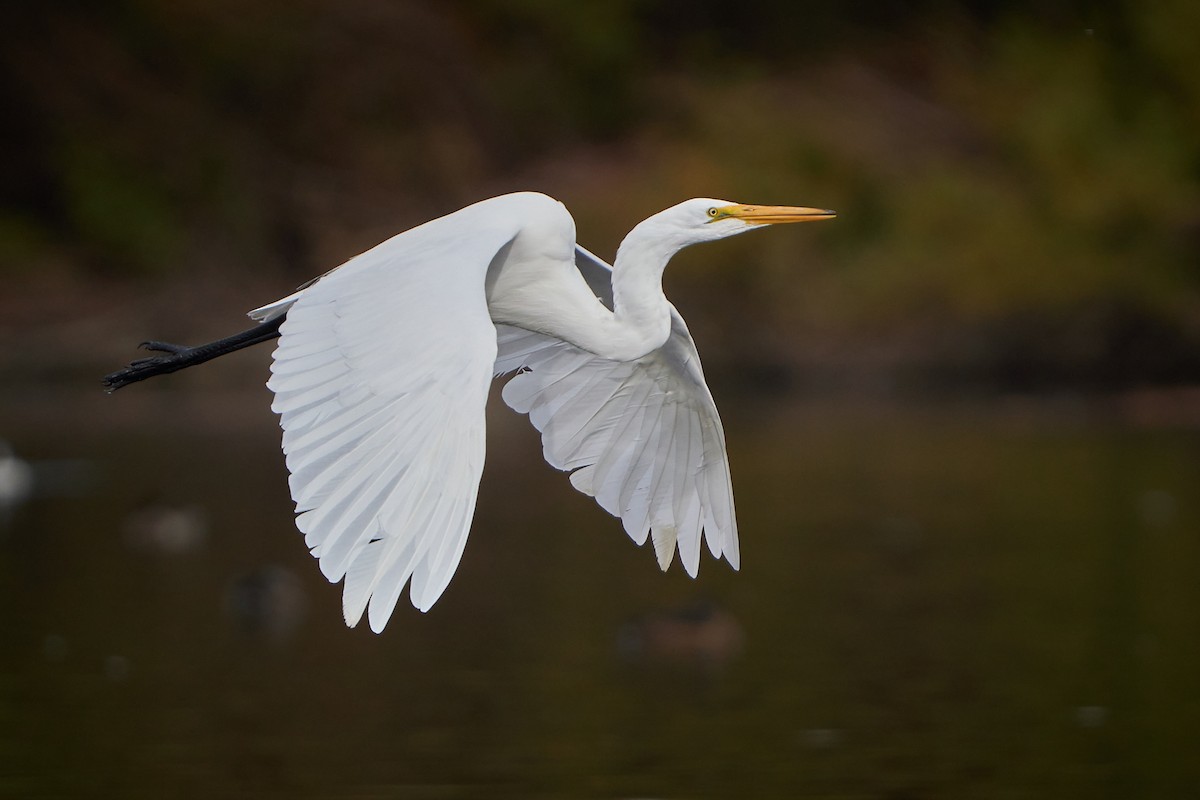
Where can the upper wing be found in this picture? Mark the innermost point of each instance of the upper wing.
(643, 437)
(380, 377)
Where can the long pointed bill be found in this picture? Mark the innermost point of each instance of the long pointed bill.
(775, 215)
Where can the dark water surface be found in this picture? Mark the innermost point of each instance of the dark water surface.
(948, 601)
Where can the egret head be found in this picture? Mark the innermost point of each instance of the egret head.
(656, 239)
(706, 219)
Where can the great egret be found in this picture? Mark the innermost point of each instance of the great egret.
(382, 372)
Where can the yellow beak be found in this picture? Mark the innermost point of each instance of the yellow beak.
(774, 215)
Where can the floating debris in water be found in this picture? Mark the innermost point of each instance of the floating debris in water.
(700, 634)
(171, 530)
(55, 647)
(821, 738)
(116, 668)
(16, 481)
(268, 602)
(1091, 716)
(1158, 507)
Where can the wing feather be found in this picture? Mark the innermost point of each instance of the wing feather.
(643, 437)
(380, 376)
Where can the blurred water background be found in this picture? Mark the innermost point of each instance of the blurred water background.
(963, 419)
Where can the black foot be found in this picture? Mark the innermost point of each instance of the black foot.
(164, 347)
(180, 357)
(142, 368)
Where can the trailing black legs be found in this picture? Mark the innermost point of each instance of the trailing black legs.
(181, 357)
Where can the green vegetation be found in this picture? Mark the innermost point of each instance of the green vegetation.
(990, 167)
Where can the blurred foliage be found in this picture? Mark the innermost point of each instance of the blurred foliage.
(989, 160)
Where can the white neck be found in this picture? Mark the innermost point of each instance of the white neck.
(640, 321)
(641, 318)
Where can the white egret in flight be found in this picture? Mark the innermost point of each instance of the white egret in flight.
(383, 366)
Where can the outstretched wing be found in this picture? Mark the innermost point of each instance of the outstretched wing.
(381, 376)
(643, 437)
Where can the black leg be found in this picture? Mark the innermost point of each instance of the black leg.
(164, 347)
(181, 357)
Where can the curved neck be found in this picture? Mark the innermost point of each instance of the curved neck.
(641, 312)
(640, 321)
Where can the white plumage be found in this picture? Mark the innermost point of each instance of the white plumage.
(383, 366)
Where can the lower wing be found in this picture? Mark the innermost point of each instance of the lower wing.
(643, 437)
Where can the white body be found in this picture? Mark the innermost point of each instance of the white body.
(383, 366)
